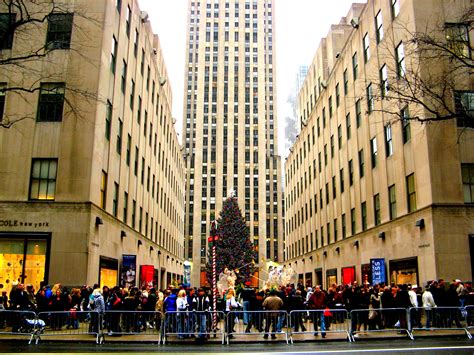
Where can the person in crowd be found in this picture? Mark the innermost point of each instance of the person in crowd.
(159, 310)
(274, 304)
(182, 307)
(296, 305)
(231, 304)
(201, 305)
(428, 303)
(317, 303)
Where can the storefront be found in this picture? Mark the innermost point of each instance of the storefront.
(348, 275)
(24, 258)
(331, 277)
(108, 272)
(366, 274)
(308, 279)
(404, 271)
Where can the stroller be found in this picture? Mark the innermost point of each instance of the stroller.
(32, 326)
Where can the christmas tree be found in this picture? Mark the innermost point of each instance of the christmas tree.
(234, 250)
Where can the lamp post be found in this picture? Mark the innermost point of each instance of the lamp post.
(213, 237)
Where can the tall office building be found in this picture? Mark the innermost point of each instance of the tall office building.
(372, 194)
(231, 125)
(92, 171)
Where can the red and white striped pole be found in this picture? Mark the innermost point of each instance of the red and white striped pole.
(213, 238)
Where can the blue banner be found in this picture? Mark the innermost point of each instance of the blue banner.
(128, 275)
(377, 267)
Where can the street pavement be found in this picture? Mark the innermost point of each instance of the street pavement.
(432, 345)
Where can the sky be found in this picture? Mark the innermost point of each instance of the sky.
(300, 25)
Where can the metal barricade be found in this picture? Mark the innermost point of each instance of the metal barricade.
(193, 325)
(19, 324)
(394, 320)
(468, 315)
(318, 322)
(135, 324)
(441, 319)
(71, 324)
(259, 323)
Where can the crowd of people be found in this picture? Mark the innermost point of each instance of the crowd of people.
(186, 312)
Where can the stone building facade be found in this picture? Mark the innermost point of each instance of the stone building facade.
(371, 192)
(92, 187)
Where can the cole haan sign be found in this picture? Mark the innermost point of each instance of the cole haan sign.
(20, 223)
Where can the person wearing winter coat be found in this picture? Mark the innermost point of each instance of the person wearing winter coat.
(296, 303)
(428, 305)
(230, 305)
(182, 307)
(317, 302)
(201, 306)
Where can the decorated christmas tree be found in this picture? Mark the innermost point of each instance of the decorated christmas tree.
(234, 250)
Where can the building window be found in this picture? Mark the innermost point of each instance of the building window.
(400, 57)
(59, 31)
(363, 209)
(51, 102)
(103, 189)
(7, 22)
(108, 119)
(125, 207)
(464, 102)
(118, 5)
(457, 38)
(358, 113)
(353, 221)
(3, 88)
(395, 8)
(366, 44)
(348, 126)
(411, 193)
(468, 182)
(351, 173)
(128, 20)
(373, 152)
(406, 132)
(392, 202)
(370, 99)
(119, 137)
(377, 209)
(346, 82)
(115, 200)
(384, 80)
(361, 163)
(355, 66)
(43, 179)
(124, 77)
(113, 55)
(388, 140)
(378, 27)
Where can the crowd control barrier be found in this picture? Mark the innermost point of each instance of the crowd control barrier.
(20, 324)
(377, 320)
(317, 322)
(193, 324)
(263, 324)
(440, 319)
(71, 324)
(139, 324)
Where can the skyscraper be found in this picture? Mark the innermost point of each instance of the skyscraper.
(230, 123)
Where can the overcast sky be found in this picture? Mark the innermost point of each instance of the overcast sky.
(300, 25)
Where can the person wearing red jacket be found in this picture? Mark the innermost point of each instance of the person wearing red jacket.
(317, 303)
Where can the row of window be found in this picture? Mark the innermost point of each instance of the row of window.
(58, 34)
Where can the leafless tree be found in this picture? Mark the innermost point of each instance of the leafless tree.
(436, 71)
(23, 58)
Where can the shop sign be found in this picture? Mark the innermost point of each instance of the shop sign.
(22, 223)
(378, 271)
